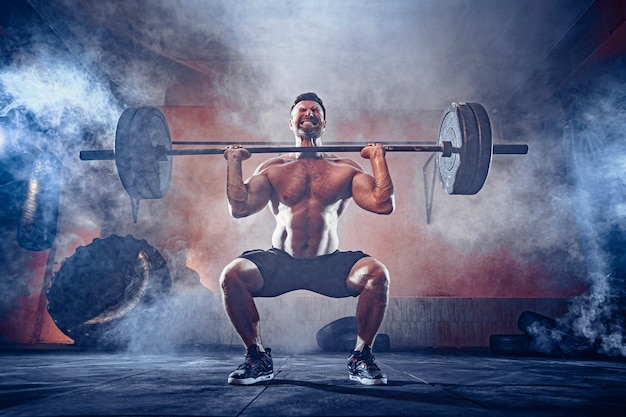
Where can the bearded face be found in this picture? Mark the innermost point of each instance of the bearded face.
(307, 120)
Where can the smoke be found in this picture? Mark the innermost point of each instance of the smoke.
(46, 105)
(376, 74)
(58, 98)
(594, 136)
(593, 142)
(370, 64)
(249, 59)
(359, 57)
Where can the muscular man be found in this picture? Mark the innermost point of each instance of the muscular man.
(307, 192)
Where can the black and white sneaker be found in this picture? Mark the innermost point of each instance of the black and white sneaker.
(363, 369)
(257, 367)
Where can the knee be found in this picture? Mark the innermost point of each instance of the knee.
(231, 278)
(239, 276)
(228, 278)
(371, 274)
(378, 276)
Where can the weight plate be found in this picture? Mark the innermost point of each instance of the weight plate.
(141, 138)
(529, 318)
(509, 344)
(450, 131)
(338, 335)
(485, 148)
(467, 127)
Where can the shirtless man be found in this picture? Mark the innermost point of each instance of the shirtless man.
(307, 192)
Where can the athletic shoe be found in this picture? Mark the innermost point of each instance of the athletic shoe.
(257, 367)
(363, 369)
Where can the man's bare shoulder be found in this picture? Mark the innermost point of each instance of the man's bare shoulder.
(343, 161)
(273, 162)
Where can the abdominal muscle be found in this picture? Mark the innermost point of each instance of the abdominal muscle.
(306, 230)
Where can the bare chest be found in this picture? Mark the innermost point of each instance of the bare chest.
(315, 179)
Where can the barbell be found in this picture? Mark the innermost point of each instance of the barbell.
(143, 151)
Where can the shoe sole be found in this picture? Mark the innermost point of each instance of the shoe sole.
(368, 381)
(250, 381)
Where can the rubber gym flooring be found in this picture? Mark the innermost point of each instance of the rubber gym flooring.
(67, 381)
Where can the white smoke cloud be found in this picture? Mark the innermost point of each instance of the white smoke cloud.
(595, 150)
(56, 94)
(360, 57)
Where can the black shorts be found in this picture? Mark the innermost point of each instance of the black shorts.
(325, 274)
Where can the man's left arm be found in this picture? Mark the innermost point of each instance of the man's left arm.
(374, 193)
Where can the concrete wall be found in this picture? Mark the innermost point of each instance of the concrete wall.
(290, 322)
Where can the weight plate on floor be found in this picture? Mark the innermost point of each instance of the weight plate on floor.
(338, 335)
(529, 318)
(509, 344)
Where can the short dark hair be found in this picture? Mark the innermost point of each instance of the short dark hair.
(311, 97)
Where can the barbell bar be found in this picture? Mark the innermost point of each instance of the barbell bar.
(446, 149)
(143, 151)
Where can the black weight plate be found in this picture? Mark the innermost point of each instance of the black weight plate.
(528, 318)
(338, 335)
(509, 344)
(485, 149)
(145, 172)
(467, 127)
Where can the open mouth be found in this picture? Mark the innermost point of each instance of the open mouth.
(311, 121)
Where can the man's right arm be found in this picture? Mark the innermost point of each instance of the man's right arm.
(249, 197)
(374, 193)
